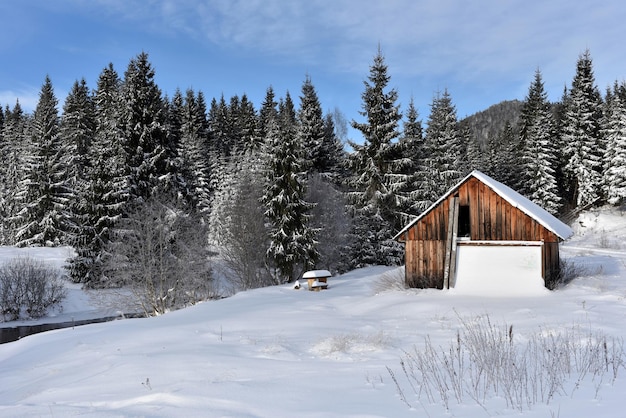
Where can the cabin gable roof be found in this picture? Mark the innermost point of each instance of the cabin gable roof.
(531, 209)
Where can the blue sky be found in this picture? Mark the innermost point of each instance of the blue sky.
(482, 51)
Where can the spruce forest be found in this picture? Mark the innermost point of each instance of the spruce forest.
(163, 193)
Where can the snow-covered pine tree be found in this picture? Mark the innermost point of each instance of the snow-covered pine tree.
(77, 132)
(248, 126)
(152, 157)
(220, 142)
(375, 166)
(311, 128)
(615, 153)
(268, 112)
(41, 193)
(538, 153)
(292, 246)
(102, 201)
(222, 129)
(179, 170)
(194, 149)
(13, 150)
(333, 157)
(444, 148)
(582, 137)
(413, 152)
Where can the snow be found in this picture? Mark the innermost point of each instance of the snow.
(316, 274)
(513, 270)
(282, 352)
(530, 208)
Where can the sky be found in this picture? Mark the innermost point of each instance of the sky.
(482, 52)
(280, 352)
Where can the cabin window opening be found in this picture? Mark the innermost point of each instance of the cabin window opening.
(464, 222)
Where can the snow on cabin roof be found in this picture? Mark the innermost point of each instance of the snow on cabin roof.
(315, 274)
(530, 208)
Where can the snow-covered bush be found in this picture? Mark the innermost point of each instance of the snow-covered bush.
(28, 287)
(487, 361)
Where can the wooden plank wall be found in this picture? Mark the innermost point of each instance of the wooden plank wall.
(491, 218)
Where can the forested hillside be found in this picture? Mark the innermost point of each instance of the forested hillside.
(490, 122)
(269, 189)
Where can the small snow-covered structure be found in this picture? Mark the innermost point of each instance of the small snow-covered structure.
(482, 233)
(317, 279)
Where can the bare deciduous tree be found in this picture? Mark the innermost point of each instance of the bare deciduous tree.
(161, 255)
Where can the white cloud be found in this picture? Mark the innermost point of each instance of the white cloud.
(422, 37)
(28, 98)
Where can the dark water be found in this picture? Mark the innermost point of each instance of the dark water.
(10, 334)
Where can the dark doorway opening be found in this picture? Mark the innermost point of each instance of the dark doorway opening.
(464, 222)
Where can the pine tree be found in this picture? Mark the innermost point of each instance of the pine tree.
(581, 135)
(13, 150)
(444, 147)
(151, 155)
(247, 126)
(77, 132)
(311, 128)
(414, 150)
(194, 149)
(375, 165)
(102, 200)
(615, 154)
(268, 112)
(292, 240)
(331, 164)
(537, 139)
(41, 192)
(220, 141)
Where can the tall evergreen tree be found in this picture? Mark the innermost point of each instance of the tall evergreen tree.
(311, 128)
(151, 155)
(41, 192)
(292, 241)
(102, 199)
(221, 141)
(268, 112)
(413, 152)
(444, 147)
(537, 139)
(374, 164)
(247, 126)
(194, 149)
(77, 131)
(332, 155)
(581, 135)
(13, 150)
(615, 154)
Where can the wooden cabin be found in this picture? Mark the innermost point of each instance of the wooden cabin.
(479, 228)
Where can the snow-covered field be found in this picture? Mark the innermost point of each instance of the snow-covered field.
(281, 352)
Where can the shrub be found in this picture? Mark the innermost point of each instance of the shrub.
(390, 280)
(569, 270)
(28, 287)
(487, 361)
